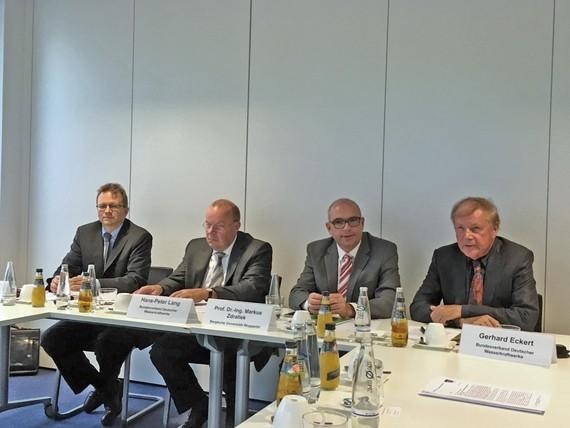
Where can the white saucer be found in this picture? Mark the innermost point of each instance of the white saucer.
(448, 347)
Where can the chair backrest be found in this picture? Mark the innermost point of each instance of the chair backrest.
(157, 273)
(538, 327)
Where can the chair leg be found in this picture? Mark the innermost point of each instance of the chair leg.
(166, 412)
(156, 400)
(51, 409)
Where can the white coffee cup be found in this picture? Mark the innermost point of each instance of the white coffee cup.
(26, 293)
(300, 317)
(435, 335)
(290, 412)
(122, 302)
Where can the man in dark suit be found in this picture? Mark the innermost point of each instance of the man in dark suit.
(346, 261)
(120, 251)
(482, 279)
(226, 264)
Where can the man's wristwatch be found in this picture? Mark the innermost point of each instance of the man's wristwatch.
(210, 293)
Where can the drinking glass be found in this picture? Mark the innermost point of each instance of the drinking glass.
(277, 302)
(107, 297)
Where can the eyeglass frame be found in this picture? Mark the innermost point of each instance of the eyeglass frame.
(112, 207)
(340, 223)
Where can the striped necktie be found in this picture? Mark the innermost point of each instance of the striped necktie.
(217, 277)
(344, 276)
(476, 295)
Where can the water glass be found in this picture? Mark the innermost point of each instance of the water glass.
(277, 302)
(107, 297)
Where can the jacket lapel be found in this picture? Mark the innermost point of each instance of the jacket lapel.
(235, 256)
(493, 272)
(120, 242)
(331, 268)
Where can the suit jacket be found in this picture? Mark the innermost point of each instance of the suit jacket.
(128, 262)
(375, 267)
(509, 293)
(247, 278)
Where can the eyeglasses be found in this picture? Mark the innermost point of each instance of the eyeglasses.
(112, 207)
(338, 223)
(218, 227)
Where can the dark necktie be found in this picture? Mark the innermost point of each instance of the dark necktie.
(476, 295)
(106, 245)
(217, 277)
(344, 276)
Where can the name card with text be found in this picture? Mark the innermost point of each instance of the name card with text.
(233, 313)
(510, 345)
(162, 308)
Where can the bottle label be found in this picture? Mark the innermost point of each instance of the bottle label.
(333, 375)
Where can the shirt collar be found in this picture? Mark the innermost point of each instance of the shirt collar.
(352, 252)
(114, 232)
(228, 250)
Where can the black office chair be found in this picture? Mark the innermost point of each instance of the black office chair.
(51, 409)
(538, 327)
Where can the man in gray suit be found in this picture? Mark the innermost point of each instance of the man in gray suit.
(346, 261)
(482, 279)
(120, 251)
(226, 264)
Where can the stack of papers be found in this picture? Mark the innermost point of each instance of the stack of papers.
(488, 395)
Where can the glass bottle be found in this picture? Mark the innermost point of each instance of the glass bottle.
(329, 360)
(289, 377)
(325, 315)
(85, 302)
(362, 316)
(9, 296)
(300, 337)
(63, 289)
(367, 391)
(399, 320)
(313, 353)
(39, 291)
(94, 285)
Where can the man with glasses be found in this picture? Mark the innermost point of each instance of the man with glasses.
(120, 251)
(348, 260)
(225, 264)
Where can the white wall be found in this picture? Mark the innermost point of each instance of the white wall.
(158, 97)
(558, 249)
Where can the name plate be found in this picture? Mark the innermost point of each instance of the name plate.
(233, 313)
(162, 308)
(510, 345)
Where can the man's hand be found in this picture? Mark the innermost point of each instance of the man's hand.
(314, 301)
(198, 294)
(75, 282)
(484, 320)
(445, 313)
(154, 290)
(54, 283)
(340, 307)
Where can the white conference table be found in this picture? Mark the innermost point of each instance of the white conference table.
(211, 337)
(412, 368)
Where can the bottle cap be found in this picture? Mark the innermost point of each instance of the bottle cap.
(399, 290)
(330, 326)
(39, 270)
(326, 293)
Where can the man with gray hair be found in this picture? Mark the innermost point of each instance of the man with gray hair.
(348, 260)
(482, 279)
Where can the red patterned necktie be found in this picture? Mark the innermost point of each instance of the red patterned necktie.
(344, 276)
(477, 284)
